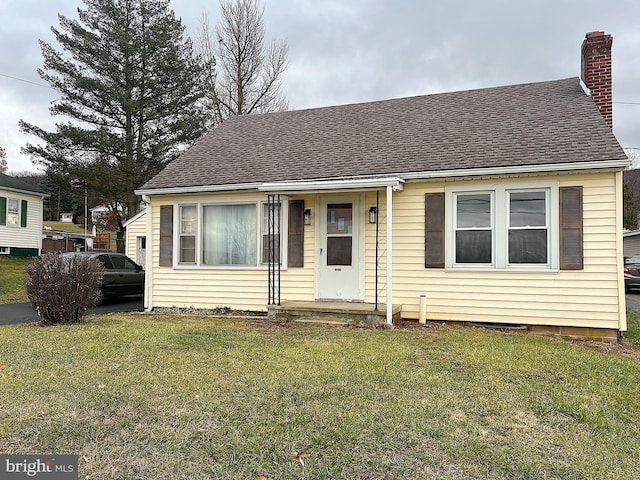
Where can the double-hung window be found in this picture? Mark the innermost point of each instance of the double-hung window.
(502, 227)
(271, 214)
(187, 233)
(528, 227)
(13, 212)
(474, 227)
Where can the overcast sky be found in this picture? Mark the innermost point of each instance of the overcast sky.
(349, 51)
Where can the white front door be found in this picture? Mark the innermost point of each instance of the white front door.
(340, 248)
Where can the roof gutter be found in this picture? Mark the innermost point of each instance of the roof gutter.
(396, 183)
(396, 180)
(25, 192)
(198, 189)
(519, 169)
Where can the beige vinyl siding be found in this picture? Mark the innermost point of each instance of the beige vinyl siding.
(593, 297)
(587, 298)
(299, 283)
(236, 288)
(24, 237)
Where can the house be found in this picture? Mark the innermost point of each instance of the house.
(21, 207)
(103, 211)
(498, 206)
(136, 238)
(631, 243)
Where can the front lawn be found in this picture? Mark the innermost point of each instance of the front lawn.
(12, 279)
(174, 397)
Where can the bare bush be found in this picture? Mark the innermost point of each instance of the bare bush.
(62, 287)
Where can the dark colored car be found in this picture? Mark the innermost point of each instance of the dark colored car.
(632, 273)
(122, 276)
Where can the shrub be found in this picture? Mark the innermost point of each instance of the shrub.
(62, 287)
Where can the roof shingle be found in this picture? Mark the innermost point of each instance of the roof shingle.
(530, 124)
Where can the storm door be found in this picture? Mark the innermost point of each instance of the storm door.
(340, 248)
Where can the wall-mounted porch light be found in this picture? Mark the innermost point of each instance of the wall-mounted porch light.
(373, 214)
(307, 216)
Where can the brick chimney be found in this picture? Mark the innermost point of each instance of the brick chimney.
(596, 71)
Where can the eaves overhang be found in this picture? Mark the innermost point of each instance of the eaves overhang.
(333, 184)
(25, 192)
(598, 165)
(396, 180)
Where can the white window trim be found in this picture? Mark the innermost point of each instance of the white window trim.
(500, 225)
(5, 250)
(17, 224)
(258, 202)
(178, 234)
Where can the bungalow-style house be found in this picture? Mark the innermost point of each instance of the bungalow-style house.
(20, 217)
(499, 205)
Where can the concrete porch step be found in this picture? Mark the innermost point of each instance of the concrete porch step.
(330, 312)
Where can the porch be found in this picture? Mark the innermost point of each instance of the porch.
(334, 312)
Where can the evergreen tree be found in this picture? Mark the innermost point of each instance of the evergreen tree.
(129, 92)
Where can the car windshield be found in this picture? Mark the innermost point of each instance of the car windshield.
(632, 260)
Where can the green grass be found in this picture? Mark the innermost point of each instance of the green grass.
(165, 397)
(633, 327)
(66, 227)
(12, 279)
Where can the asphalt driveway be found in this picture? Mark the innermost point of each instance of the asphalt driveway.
(24, 312)
(633, 301)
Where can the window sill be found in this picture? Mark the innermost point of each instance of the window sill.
(225, 267)
(523, 269)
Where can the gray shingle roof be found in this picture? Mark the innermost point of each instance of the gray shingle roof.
(530, 124)
(17, 184)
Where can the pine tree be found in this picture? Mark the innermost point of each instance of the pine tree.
(130, 94)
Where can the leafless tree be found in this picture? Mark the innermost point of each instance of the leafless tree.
(243, 74)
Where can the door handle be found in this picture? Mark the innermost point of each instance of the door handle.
(320, 252)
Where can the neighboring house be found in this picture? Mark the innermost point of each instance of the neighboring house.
(136, 238)
(499, 205)
(631, 242)
(99, 211)
(20, 217)
(66, 217)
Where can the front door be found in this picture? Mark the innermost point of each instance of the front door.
(340, 248)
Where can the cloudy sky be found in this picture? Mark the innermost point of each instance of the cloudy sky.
(349, 51)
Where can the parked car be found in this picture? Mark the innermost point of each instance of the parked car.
(122, 276)
(631, 273)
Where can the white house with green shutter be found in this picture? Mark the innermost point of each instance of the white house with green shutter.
(20, 217)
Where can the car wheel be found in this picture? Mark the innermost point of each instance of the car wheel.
(98, 297)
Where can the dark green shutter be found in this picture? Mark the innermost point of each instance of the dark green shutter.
(434, 237)
(166, 236)
(296, 234)
(23, 213)
(3, 210)
(571, 249)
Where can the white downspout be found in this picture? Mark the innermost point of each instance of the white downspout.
(389, 254)
(148, 295)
